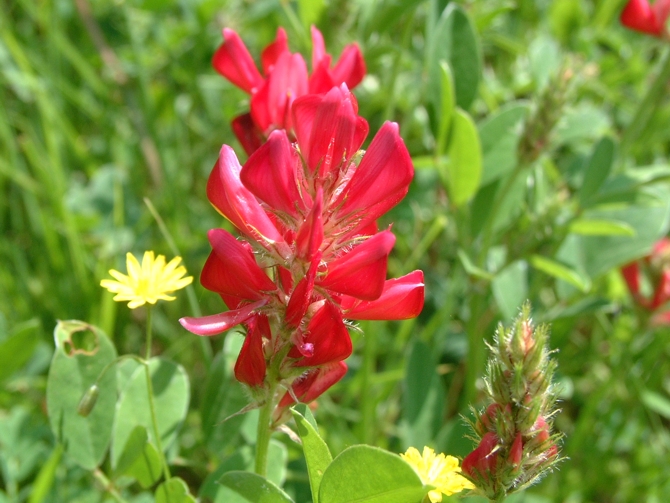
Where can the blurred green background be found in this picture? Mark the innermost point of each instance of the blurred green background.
(110, 109)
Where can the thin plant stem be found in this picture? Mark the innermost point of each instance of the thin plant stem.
(108, 485)
(264, 432)
(368, 408)
(152, 405)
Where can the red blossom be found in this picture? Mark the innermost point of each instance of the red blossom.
(482, 462)
(641, 16)
(285, 79)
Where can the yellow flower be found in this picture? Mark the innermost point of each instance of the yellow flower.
(149, 282)
(440, 471)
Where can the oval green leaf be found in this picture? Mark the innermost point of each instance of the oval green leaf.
(464, 169)
(591, 227)
(317, 454)
(174, 490)
(253, 488)
(82, 352)
(560, 271)
(171, 397)
(366, 474)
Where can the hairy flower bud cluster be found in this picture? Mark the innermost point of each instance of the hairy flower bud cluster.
(309, 255)
(515, 444)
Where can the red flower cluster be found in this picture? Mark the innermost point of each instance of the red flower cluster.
(284, 80)
(310, 254)
(648, 280)
(640, 16)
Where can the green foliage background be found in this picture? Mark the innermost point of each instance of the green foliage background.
(106, 105)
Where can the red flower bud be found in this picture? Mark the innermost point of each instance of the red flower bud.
(482, 462)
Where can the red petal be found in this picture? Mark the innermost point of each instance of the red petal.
(271, 106)
(300, 297)
(233, 61)
(481, 462)
(328, 335)
(361, 272)
(271, 173)
(631, 273)
(235, 202)
(329, 132)
(318, 48)
(247, 133)
(638, 15)
(310, 234)
(250, 366)
(382, 178)
(401, 299)
(350, 68)
(314, 383)
(217, 323)
(271, 53)
(231, 269)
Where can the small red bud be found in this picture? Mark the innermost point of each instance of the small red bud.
(516, 451)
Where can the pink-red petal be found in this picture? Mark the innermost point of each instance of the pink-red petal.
(361, 272)
(639, 16)
(233, 61)
(247, 133)
(218, 323)
(250, 366)
(401, 299)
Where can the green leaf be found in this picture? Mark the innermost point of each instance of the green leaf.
(366, 474)
(598, 169)
(591, 227)
(16, 350)
(560, 271)
(464, 169)
(45, 478)
(82, 352)
(253, 488)
(510, 288)
(306, 412)
(316, 452)
(656, 402)
(447, 106)
(463, 51)
(423, 397)
(471, 268)
(242, 460)
(174, 490)
(171, 397)
(499, 136)
(140, 459)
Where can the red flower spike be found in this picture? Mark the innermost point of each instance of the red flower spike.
(329, 338)
(481, 462)
(382, 178)
(235, 202)
(233, 61)
(250, 366)
(361, 272)
(638, 15)
(218, 323)
(247, 133)
(232, 270)
(401, 299)
(271, 53)
(271, 104)
(271, 174)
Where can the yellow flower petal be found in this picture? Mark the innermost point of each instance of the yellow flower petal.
(440, 471)
(148, 282)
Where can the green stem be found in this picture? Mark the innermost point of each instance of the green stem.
(648, 105)
(264, 432)
(108, 485)
(369, 404)
(152, 405)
